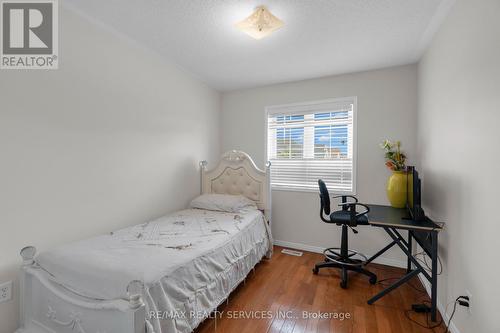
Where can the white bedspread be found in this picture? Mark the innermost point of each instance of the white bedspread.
(189, 262)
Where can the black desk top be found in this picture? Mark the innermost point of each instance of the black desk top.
(386, 216)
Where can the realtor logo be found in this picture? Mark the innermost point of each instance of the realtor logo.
(29, 37)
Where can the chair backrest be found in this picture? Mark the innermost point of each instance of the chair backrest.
(324, 196)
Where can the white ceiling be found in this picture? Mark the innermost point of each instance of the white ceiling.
(320, 37)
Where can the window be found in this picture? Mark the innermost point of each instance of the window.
(312, 140)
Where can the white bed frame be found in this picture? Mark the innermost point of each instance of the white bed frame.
(48, 307)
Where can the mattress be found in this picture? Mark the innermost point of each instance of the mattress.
(189, 262)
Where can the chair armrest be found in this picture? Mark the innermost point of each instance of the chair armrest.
(353, 204)
(362, 213)
(346, 196)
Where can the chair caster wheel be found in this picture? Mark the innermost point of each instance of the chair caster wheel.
(343, 284)
(373, 280)
(315, 270)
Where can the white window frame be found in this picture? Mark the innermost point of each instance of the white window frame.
(309, 106)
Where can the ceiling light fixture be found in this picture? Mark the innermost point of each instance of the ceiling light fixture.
(260, 24)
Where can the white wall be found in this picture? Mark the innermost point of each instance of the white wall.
(110, 139)
(458, 137)
(387, 102)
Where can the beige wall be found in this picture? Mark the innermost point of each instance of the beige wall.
(387, 102)
(110, 139)
(458, 136)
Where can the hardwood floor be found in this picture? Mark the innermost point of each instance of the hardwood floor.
(286, 286)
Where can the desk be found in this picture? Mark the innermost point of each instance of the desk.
(425, 233)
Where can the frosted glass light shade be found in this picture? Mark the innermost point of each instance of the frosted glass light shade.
(260, 24)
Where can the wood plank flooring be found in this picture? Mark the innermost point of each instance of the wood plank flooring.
(282, 288)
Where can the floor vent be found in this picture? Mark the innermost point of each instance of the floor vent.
(292, 252)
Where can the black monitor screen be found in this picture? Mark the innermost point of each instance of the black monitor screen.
(410, 188)
(414, 195)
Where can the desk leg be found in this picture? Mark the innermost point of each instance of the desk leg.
(400, 282)
(401, 242)
(403, 245)
(434, 252)
(410, 248)
(379, 253)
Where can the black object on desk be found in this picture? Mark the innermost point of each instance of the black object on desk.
(424, 232)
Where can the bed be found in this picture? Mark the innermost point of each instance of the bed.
(165, 275)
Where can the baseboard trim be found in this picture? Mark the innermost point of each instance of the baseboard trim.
(440, 306)
(317, 249)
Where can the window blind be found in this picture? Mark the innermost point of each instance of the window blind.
(309, 141)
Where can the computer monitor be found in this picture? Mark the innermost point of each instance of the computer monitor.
(414, 203)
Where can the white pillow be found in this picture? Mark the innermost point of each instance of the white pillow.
(223, 203)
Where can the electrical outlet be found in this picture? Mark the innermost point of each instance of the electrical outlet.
(5, 291)
(468, 294)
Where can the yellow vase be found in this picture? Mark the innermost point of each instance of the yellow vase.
(397, 189)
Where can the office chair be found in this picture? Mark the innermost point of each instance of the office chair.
(347, 217)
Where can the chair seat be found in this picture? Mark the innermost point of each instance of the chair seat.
(344, 217)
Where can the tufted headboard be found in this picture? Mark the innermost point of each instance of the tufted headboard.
(236, 174)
